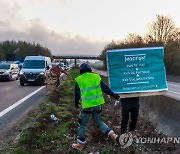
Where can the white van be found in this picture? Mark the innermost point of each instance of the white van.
(34, 69)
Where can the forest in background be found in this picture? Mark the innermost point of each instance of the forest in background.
(19, 50)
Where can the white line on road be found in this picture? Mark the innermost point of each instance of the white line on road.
(174, 92)
(173, 84)
(19, 102)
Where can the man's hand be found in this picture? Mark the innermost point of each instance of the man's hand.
(117, 96)
(77, 104)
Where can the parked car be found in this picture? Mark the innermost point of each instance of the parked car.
(9, 71)
(63, 66)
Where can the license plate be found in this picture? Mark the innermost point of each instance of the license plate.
(31, 80)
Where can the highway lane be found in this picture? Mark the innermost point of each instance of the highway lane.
(11, 92)
(173, 90)
(16, 101)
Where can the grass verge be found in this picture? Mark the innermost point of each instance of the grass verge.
(38, 134)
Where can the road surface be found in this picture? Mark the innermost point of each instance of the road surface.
(16, 100)
(174, 90)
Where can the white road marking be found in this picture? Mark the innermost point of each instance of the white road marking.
(174, 92)
(2, 113)
(174, 84)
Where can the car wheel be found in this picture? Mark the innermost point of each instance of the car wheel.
(22, 84)
(9, 78)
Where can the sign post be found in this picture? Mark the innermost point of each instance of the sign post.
(136, 70)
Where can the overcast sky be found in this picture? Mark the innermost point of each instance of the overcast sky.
(80, 26)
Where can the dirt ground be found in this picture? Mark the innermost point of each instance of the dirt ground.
(96, 141)
(145, 129)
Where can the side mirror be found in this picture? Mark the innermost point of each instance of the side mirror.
(20, 67)
(47, 67)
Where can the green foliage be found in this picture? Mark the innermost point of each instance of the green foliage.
(21, 150)
(45, 135)
(2, 56)
(21, 49)
(74, 73)
(107, 150)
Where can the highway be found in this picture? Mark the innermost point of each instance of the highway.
(16, 100)
(173, 90)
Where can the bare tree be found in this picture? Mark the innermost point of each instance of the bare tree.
(163, 30)
(133, 38)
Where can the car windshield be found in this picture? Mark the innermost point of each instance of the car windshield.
(34, 64)
(4, 66)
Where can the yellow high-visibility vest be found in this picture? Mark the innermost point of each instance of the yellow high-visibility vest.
(91, 93)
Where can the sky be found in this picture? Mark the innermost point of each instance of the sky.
(80, 27)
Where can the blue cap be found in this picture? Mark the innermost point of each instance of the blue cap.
(84, 68)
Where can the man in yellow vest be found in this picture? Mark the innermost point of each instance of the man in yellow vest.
(89, 89)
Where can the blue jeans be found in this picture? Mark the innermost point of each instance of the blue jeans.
(84, 116)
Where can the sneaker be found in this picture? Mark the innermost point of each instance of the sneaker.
(117, 140)
(113, 137)
(78, 146)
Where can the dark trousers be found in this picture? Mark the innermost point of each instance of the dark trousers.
(129, 109)
(58, 82)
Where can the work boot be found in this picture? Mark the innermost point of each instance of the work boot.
(78, 146)
(113, 137)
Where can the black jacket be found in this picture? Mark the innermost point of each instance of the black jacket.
(130, 100)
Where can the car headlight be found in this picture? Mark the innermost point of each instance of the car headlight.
(42, 73)
(21, 73)
(6, 73)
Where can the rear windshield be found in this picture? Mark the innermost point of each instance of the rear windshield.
(4, 66)
(34, 64)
